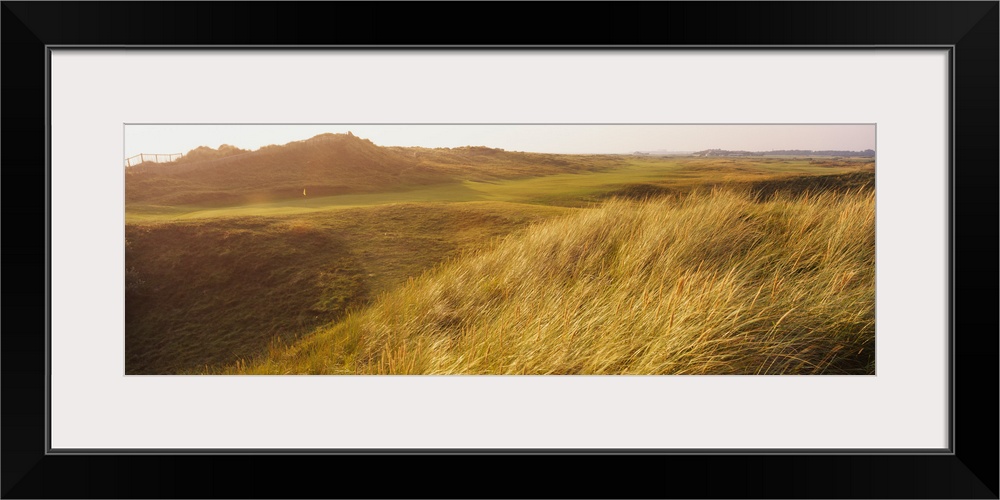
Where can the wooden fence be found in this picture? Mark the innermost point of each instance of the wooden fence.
(155, 158)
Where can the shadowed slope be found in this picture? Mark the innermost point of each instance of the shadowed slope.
(210, 291)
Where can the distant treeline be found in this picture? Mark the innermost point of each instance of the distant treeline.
(869, 153)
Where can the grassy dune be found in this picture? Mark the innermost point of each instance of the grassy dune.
(209, 291)
(718, 282)
(393, 263)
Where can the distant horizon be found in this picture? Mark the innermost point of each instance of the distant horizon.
(554, 139)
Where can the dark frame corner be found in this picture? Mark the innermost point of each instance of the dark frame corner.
(970, 28)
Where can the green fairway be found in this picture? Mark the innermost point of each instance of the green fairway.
(450, 192)
(574, 189)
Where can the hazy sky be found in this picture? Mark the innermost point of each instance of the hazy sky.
(536, 138)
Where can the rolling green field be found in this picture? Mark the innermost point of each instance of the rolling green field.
(243, 286)
(572, 190)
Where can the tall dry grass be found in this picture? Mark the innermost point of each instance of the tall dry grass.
(714, 283)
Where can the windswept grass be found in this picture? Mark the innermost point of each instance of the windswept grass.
(210, 291)
(714, 282)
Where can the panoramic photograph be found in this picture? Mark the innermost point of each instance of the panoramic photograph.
(499, 249)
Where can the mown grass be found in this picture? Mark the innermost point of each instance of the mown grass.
(720, 282)
(610, 177)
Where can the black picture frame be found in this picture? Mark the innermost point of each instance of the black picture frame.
(968, 470)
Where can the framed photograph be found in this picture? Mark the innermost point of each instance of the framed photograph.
(723, 252)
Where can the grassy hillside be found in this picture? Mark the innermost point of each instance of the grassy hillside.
(592, 181)
(327, 165)
(210, 291)
(227, 260)
(711, 283)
